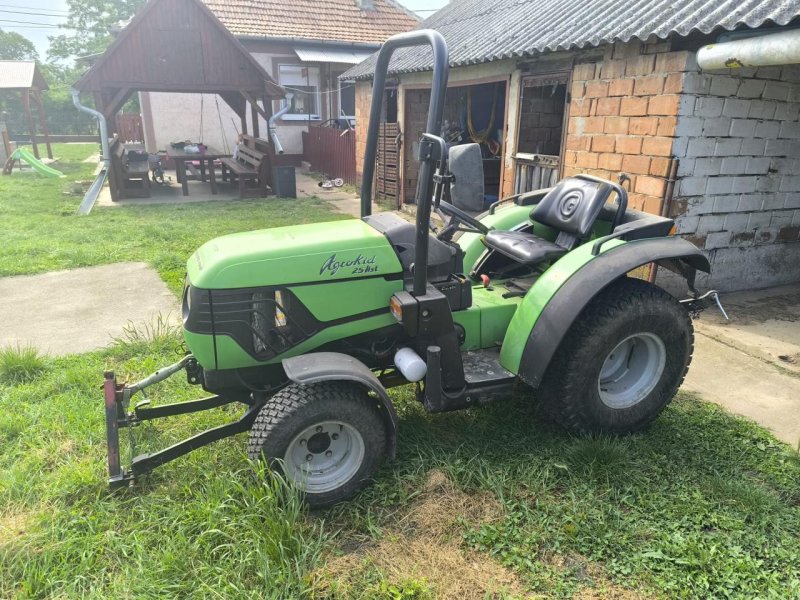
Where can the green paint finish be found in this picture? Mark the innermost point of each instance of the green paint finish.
(201, 345)
(294, 254)
(470, 320)
(329, 301)
(537, 298)
(496, 314)
(486, 321)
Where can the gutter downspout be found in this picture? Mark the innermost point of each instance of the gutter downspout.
(772, 49)
(94, 190)
(271, 124)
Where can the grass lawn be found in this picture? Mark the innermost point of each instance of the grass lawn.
(486, 503)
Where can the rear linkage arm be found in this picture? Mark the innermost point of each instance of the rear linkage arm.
(117, 399)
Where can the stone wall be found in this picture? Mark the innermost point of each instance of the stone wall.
(738, 198)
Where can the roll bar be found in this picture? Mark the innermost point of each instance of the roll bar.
(441, 67)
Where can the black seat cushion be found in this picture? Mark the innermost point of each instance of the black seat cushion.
(524, 248)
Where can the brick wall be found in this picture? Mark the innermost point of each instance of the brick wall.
(738, 142)
(623, 115)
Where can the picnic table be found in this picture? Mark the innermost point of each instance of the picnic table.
(185, 169)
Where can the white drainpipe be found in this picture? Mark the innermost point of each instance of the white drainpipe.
(275, 141)
(94, 190)
(772, 49)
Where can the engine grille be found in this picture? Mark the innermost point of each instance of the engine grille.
(264, 321)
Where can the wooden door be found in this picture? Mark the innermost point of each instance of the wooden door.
(387, 170)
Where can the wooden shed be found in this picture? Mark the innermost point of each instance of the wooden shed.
(179, 46)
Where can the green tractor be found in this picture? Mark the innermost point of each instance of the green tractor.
(309, 325)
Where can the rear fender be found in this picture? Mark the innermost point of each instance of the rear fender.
(558, 297)
(335, 366)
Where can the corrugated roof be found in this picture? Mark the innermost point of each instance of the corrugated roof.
(484, 30)
(20, 74)
(324, 20)
(332, 55)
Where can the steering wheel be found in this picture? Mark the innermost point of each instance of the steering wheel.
(458, 217)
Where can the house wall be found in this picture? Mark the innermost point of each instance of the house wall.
(636, 108)
(738, 198)
(176, 117)
(623, 117)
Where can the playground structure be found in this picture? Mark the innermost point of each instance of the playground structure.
(23, 76)
(24, 155)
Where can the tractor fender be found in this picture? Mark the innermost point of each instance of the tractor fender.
(335, 366)
(551, 318)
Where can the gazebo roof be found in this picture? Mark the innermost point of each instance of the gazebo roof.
(178, 46)
(21, 75)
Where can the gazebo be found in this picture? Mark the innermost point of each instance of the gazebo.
(23, 76)
(179, 46)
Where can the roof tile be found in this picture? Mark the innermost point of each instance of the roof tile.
(324, 20)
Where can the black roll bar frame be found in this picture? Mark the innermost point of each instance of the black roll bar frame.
(441, 66)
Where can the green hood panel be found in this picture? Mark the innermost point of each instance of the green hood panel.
(315, 252)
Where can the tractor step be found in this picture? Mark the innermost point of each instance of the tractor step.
(482, 367)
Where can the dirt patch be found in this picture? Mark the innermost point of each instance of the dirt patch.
(14, 525)
(425, 544)
(597, 584)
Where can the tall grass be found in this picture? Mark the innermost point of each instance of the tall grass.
(20, 364)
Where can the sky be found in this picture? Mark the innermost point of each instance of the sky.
(42, 15)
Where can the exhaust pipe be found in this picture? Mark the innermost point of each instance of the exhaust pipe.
(275, 141)
(94, 190)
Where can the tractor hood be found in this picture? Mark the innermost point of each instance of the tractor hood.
(317, 252)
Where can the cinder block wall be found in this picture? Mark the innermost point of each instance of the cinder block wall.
(738, 142)
(623, 115)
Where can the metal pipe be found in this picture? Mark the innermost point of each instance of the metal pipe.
(94, 190)
(101, 120)
(773, 49)
(271, 124)
(435, 108)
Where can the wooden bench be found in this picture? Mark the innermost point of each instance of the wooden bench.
(251, 167)
(131, 178)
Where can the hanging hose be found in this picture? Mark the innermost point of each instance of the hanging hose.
(481, 137)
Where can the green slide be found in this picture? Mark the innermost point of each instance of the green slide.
(35, 163)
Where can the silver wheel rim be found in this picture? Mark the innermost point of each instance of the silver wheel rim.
(632, 370)
(324, 457)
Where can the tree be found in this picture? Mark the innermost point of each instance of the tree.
(14, 46)
(89, 22)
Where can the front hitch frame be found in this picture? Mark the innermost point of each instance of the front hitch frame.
(117, 399)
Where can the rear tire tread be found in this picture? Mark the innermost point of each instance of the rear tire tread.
(561, 391)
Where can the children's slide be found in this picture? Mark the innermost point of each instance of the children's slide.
(35, 163)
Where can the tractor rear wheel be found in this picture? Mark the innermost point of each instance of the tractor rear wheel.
(621, 362)
(327, 438)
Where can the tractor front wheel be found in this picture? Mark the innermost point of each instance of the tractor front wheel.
(621, 362)
(326, 438)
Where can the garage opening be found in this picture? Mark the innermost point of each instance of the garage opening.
(472, 113)
(541, 132)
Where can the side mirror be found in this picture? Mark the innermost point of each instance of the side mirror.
(466, 164)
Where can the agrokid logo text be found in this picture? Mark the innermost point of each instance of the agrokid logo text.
(355, 266)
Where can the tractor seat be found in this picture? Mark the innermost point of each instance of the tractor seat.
(524, 248)
(571, 208)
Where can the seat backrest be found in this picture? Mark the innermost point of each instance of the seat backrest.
(571, 208)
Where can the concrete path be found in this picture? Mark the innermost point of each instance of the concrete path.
(68, 312)
(751, 364)
(342, 199)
